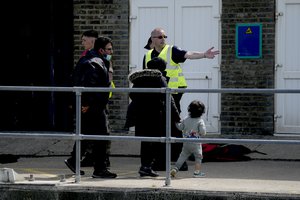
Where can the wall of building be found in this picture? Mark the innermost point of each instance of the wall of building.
(247, 114)
(109, 18)
(244, 114)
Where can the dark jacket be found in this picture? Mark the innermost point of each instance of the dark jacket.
(149, 108)
(91, 71)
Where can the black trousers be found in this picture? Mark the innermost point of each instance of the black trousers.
(94, 122)
(149, 152)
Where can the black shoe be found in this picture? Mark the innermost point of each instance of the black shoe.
(72, 167)
(104, 174)
(147, 171)
(184, 167)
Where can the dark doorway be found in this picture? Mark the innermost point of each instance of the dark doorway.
(37, 47)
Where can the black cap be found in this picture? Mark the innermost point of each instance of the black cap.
(148, 44)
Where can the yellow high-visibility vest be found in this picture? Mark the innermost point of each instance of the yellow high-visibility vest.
(174, 71)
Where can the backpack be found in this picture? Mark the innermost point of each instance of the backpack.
(226, 152)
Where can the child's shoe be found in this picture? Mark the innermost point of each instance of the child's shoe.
(173, 172)
(198, 174)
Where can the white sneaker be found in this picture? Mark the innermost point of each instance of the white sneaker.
(173, 172)
(198, 174)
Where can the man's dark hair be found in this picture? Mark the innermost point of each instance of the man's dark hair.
(90, 33)
(157, 63)
(101, 42)
(196, 109)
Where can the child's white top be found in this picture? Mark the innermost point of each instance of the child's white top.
(192, 127)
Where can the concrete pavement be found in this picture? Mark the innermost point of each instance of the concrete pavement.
(264, 178)
(272, 176)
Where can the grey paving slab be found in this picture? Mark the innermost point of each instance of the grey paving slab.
(255, 176)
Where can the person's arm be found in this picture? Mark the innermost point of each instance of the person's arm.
(180, 125)
(201, 128)
(198, 55)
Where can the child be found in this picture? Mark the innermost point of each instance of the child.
(192, 127)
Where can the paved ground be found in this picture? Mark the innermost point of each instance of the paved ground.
(248, 176)
(275, 173)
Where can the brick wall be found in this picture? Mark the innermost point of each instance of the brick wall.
(109, 18)
(247, 114)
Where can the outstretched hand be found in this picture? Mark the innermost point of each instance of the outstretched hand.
(211, 54)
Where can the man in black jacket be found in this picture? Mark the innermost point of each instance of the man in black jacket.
(92, 71)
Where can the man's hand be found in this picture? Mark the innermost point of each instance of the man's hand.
(198, 55)
(211, 54)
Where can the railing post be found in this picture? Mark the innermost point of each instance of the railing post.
(168, 136)
(78, 133)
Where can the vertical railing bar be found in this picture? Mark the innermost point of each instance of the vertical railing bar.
(168, 136)
(78, 133)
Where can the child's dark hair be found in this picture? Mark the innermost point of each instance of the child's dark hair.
(196, 109)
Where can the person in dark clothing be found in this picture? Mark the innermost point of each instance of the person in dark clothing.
(158, 64)
(150, 120)
(159, 165)
(88, 39)
(92, 71)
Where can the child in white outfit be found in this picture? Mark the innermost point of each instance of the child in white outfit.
(192, 126)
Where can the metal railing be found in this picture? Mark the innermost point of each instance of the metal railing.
(77, 136)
